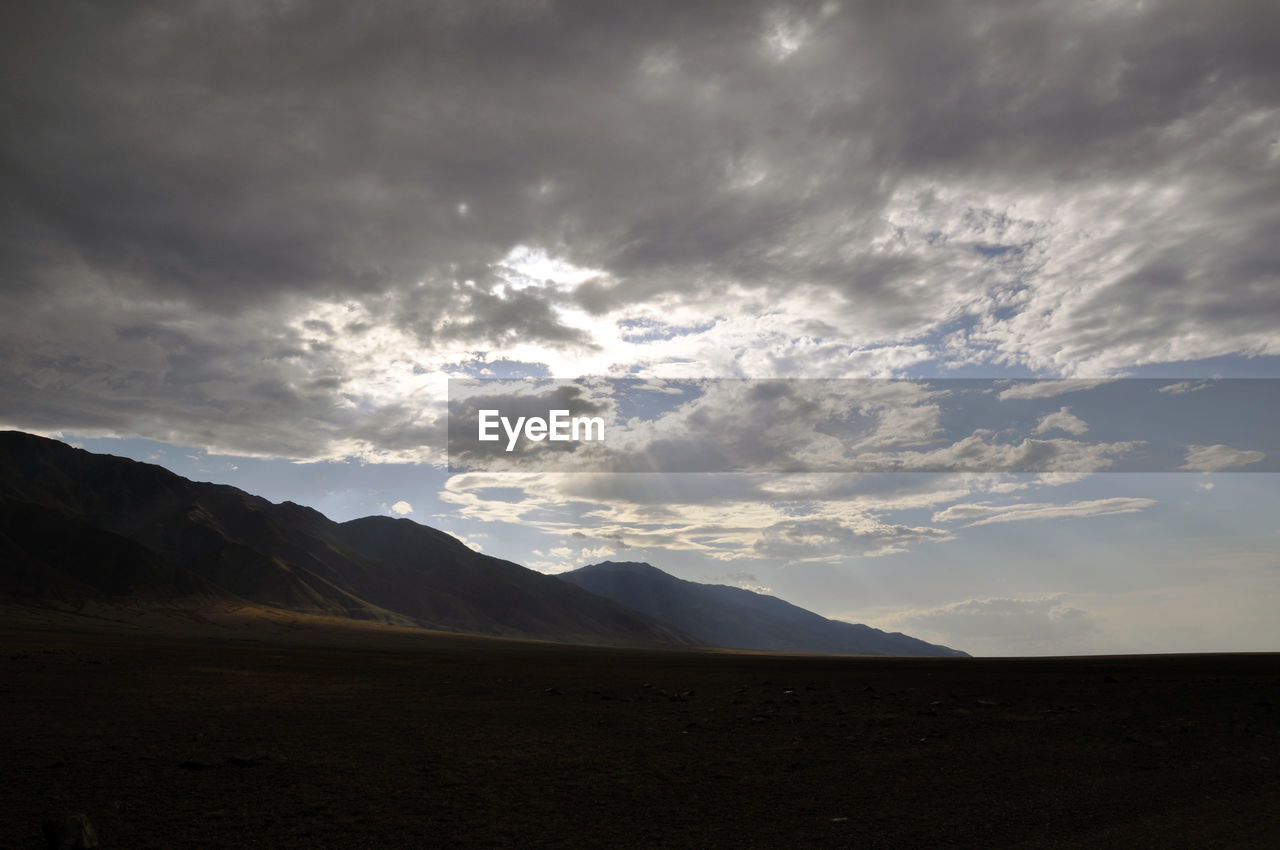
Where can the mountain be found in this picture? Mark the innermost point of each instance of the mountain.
(77, 526)
(734, 618)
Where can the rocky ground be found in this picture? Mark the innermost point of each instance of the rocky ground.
(258, 738)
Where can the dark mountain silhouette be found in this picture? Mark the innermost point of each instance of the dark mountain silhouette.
(731, 617)
(77, 526)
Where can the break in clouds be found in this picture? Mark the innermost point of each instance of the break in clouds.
(274, 229)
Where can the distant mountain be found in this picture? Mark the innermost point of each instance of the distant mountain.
(77, 526)
(734, 618)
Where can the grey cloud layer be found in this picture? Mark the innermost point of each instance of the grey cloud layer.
(1075, 188)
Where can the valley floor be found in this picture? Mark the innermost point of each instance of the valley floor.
(253, 738)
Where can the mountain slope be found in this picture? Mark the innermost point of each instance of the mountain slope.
(76, 526)
(45, 553)
(734, 618)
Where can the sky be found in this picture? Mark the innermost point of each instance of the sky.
(254, 241)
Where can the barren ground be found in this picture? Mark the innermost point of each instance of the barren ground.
(263, 734)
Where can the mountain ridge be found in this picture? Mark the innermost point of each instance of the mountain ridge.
(75, 525)
(736, 618)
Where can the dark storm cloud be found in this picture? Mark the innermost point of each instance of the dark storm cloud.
(180, 182)
(218, 149)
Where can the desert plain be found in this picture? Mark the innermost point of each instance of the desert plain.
(181, 730)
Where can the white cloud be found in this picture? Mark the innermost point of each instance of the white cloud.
(1048, 389)
(402, 508)
(1062, 420)
(724, 517)
(980, 452)
(1219, 457)
(1184, 387)
(742, 579)
(551, 567)
(730, 517)
(975, 514)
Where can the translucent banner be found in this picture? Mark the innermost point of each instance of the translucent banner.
(864, 425)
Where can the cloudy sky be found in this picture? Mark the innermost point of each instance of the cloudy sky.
(253, 242)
